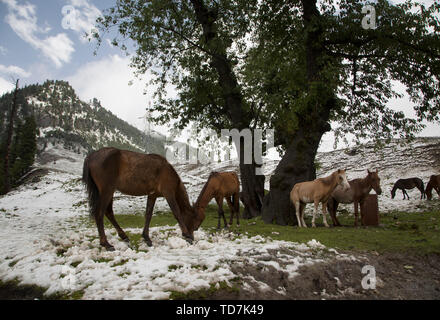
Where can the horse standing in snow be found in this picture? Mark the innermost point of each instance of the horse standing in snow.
(409, 183)
(359, 190)
(316, 191)
(434, 183)
(135, 174)
(221, 185)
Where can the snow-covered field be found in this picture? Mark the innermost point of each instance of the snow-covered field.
(46, 240)
(44, 243)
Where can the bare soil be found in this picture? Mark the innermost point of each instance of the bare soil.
(398, 276)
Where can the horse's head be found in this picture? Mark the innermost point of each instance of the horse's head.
(199, 214)
(393, 193)
(374, 180)
(342, 179)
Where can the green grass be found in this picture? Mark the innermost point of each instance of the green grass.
(398, 231)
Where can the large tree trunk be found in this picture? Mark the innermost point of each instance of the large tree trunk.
(298, 163)
(252, 185)
(6, 182)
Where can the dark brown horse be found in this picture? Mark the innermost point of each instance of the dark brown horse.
(434, 183)
(135, 174)
(359, 190)
(221, 185)
(409, 183)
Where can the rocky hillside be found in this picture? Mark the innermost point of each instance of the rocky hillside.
(63, 119)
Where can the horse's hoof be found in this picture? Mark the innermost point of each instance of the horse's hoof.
(149, 243)
(188, 239)
(110, 248)
(126, 240)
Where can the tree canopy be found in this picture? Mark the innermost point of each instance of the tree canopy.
(265, 41)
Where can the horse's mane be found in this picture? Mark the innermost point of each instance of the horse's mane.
(212, 174)
(328, 180)
(181, 196)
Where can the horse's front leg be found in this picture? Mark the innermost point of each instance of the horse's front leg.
(148, 215)
(332, 207)
(405, 194)
(324, 213)
(302, 207)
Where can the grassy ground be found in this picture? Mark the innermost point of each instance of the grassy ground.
(398, 231)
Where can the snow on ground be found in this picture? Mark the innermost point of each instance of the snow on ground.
(46, 239)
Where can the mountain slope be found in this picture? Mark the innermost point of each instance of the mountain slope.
(62, 118)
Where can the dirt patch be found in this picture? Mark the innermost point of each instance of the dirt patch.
(12, 291)
(398, 276)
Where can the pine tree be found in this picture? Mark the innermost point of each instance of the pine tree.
(24, 150)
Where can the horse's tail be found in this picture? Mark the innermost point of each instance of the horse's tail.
(92, 189)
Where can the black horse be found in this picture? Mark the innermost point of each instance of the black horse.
(410, 183)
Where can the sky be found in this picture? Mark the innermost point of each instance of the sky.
(45, 39)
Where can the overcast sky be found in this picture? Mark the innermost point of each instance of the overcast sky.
(37, 43)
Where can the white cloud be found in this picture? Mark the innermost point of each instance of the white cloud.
(83, 18)
(5, 86)
(107, 80)
(14, 71)
(23, 20)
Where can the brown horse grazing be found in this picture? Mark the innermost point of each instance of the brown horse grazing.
(409, 183)
(359, 190)
(220, 185)
(135, 174)
(434, 183)
(316, 191)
